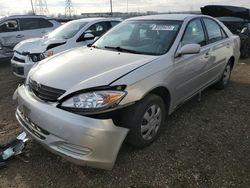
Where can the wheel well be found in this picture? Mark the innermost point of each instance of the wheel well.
(164, 94)
(232, 61)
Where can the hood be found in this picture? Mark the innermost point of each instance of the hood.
(84, 68)
(220, 11)
(37, 45)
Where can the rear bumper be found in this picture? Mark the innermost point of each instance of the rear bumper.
(79, 139)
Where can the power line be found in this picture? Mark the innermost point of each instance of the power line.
(69, 9)
(40, 7)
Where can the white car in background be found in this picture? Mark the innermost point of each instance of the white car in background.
(73, 34)
(15, 29)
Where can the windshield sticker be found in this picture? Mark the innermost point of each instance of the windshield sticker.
(163, 27)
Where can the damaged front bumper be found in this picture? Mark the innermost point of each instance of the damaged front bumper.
(21, 65)
(81, 140)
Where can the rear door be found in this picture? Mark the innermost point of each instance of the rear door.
(34, 27)
(219, 45)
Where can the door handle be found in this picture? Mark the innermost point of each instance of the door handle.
(207, 55)
(228, 45)
(43, 32)
(19, 36)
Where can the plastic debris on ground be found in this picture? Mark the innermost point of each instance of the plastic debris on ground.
(12, 149)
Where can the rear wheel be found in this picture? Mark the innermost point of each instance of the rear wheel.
(224, 81)
(145, 120)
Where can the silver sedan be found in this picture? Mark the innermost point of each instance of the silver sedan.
(82, 104)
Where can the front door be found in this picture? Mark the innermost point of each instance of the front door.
(189, 69)
(10, 33)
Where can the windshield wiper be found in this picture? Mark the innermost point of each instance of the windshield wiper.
(120, 49)
(93, 46)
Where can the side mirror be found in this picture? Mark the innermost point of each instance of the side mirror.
(85, 36)
(89, 36)
(96, 38)
(243, 30)
(189, 49)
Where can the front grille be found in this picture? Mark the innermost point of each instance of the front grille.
(18, 59)
(44, 92)
(18, 70)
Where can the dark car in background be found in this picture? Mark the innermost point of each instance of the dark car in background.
(237, 19)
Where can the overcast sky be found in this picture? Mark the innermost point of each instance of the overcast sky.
(8, 7)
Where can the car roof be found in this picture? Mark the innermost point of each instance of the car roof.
(25, 16)
(98, 19)
(49, 18)
(177, 17)
(89, 20)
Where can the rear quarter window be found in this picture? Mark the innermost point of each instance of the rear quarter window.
(45, 23)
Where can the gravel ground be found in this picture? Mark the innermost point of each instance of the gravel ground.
(204, 144)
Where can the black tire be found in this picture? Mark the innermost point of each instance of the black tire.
(134, 118)
(225, 78)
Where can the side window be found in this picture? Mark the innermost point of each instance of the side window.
(43, 23)
(98, 29)
(194, 34)
(9, 26)
(214, 30)
(114, 23)
(29, 23)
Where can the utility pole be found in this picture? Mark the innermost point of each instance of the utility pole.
(32, 6)
(111, 7)
(127, 6)
(69, 10)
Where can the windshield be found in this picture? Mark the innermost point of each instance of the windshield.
(141, 37)
(67, 30)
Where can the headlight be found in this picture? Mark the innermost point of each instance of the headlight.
(34, 58)
(37, 57)
(96, 100)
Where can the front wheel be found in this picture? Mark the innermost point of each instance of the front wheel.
(145, 120)
(224, 81)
